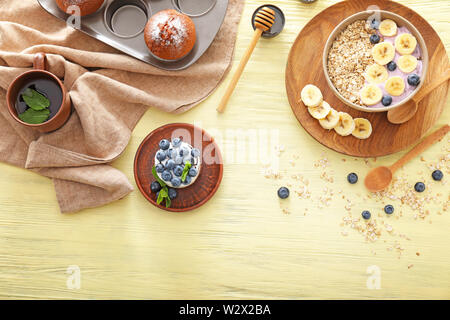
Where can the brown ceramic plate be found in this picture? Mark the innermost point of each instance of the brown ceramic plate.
(210, 175)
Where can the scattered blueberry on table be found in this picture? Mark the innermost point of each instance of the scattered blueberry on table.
(366, 214)
(283, 192)
(392, 66)
(352, 178)
(155, 186)
(386, 100)
(437, 175)
(419, 187)
(374, 38)
(389, 209)
(413, 80)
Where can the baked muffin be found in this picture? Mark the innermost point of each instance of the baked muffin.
(170, 35)
(86, 6)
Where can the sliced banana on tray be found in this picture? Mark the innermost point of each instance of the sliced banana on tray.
(376, 73)
(383, 53)
(388, 28)
(363, 128)
(311, 95)
(395, 86)
(321, 111)
(331, 120)
(345, 125)
(405, 43)
(407, 63)
(371, 94)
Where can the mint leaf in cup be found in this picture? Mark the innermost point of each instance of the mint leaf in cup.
(32, 116)
(35, 100)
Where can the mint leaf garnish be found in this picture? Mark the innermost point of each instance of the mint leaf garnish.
(32, 116)
(35, 100)
(164, 192)
(187, 166)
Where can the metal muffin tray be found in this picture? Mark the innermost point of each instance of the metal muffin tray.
(120, 24)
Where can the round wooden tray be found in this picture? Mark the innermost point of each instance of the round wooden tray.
(305, 66)
(211, 172)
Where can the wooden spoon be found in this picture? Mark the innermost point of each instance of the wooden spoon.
(263, 21)
(379, 178)
(408, 110)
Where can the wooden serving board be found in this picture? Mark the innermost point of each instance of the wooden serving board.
(305, 66)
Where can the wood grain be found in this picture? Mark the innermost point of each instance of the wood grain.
(239, 245)
(387, 138)
(210, 174)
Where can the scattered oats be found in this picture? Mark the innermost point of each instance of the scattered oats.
(410, 266)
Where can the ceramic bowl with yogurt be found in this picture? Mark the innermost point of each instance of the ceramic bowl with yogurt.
(420, 53)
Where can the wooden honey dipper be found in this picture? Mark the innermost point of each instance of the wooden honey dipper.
(264, 20)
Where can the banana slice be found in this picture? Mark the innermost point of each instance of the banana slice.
(407, 63)
(405, 43)
(376, 73)
(363, 128)
(311, 96)
(371, 94)
(383, 53)
(395, 86)
(331, 120)
(388, 28)
(345, 125)
(321, 111)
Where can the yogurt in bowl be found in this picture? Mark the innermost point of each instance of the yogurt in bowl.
(177, 163)
(367, 62)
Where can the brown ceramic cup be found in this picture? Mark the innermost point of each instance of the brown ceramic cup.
(39, 72)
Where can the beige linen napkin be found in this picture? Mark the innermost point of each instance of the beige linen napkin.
(107, 102)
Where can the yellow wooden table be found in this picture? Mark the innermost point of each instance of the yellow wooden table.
(244, 243)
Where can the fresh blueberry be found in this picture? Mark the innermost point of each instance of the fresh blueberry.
(164, 144)
(181, 152)
(170, 164)
(389, 209)
(374, 24)
(178, 170)
(166, 175)
(413, 80)
(178, 160)
(155, 186)
(392, 66)
(366, 214)
(176, 142)
(386, 100)
(169, 153)
(193, 172)
(375, 38)
(176, 182)
(161, 155)
(437, 175)
(187, 180)
(195, 152)
(352, 178)
(172, 193)
(283, 192)
(419, 187)
(159, 168)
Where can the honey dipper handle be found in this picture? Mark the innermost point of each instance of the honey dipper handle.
(240, 69)
(431, 86)
(422, 146)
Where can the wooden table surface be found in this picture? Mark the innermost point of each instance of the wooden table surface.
(244, 243)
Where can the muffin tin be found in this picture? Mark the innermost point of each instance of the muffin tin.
(120, 24)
